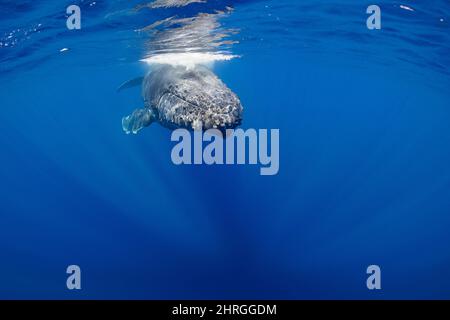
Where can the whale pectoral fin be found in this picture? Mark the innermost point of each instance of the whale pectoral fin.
(139, 119)
(130, 84)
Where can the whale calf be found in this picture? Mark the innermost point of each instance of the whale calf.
(181, 97)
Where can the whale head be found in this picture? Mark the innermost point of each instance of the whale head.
(192, 98)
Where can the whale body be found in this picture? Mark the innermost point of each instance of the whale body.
(181, 97)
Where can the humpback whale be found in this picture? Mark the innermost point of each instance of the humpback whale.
(193, 98)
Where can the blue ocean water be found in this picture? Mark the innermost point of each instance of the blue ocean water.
(364, 153)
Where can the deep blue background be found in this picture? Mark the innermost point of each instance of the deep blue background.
(364, 175)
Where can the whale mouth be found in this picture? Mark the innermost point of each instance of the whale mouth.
(176, 96)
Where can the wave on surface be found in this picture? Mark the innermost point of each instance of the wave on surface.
(414, 35)
(189, 41)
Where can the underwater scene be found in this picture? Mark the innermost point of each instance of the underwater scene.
(224, 149)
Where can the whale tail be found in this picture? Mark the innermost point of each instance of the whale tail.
(140, 118)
